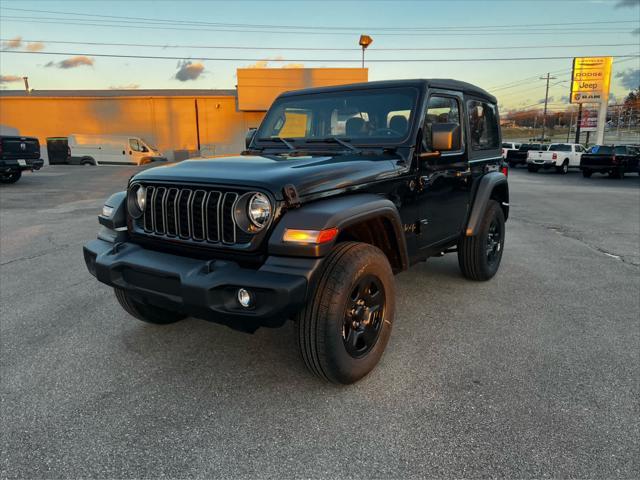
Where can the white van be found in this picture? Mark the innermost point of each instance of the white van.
(111, 150)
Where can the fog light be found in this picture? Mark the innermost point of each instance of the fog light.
(245, 298)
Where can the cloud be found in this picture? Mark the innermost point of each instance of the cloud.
(130, 86)
(72, 62)
(627, 3)
(13, 43)
(10, 78)
(265, 63)
(629, 78)
(188, 70)
(564, 98)
(551, 99)
(293, 65)
(35, 47)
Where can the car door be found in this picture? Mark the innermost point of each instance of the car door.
(444, 178)
(135, 151)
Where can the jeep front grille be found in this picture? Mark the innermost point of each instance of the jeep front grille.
(191, 214)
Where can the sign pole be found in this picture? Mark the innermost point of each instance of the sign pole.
(578, 123)
(602, 121)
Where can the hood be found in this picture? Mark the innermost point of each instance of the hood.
(311, 175)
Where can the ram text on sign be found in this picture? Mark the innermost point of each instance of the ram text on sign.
(590, 79)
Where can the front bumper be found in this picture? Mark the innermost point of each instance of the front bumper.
(9, 166)
(205, 289)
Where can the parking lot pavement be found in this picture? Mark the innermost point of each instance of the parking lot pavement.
(532, 374)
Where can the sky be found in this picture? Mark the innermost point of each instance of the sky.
(267, 30)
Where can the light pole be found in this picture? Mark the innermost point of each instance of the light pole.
(365, 41)
(546, 100)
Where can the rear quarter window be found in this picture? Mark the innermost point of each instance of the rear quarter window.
(483, 125)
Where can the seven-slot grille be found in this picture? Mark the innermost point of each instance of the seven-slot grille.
(192, 214)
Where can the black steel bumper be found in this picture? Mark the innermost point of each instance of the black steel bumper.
(205, 289)
(9, 166)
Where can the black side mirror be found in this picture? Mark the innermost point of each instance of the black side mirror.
(445, 137)
(144, 149)
(249, 138)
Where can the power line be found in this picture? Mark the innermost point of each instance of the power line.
(321, 60)
(164, 27)
(352, 49)
(315, 27)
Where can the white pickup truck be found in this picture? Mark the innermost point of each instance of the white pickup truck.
(560, 156)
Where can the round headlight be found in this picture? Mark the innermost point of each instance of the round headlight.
(136, 200)
(141, 197)
(259, 210)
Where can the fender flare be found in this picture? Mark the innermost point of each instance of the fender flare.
(340, 212)
(118, 219)
(487, 185)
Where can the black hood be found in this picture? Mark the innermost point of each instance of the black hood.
(310, 175)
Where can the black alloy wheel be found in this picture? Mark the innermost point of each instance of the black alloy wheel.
(494, 241)
(364, 316)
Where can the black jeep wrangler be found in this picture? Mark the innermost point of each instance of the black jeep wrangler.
(338, 190)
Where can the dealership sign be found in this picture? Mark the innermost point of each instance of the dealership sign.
(590, 79)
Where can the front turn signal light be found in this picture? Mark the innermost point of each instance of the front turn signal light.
(310, 236)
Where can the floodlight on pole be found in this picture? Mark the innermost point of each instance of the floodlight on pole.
(365, 41)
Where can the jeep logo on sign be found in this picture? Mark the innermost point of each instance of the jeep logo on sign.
(23, 146)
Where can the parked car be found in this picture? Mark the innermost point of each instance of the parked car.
(610, 159)
(507, 146)
(18, 154)
(323, 221)
(519, 156)
(560, 156)
(111, 150)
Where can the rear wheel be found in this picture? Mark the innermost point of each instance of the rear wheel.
(587, 173)
(344, 328)
(145, 312)
(564, 168)
(12, 177)
(532, 168)
(479, 256)
(87, 161)
(512, 164)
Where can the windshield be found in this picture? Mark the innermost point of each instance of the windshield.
(559, 147)
(602, 149)
(367, 116)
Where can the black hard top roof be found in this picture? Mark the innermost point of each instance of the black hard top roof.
(443, 83)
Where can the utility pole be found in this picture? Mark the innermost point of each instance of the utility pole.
(570, 125)
(546, 100)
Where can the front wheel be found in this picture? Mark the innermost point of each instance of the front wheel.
(146, 312)
(12, 177)
(587, 173)
(345, 326)
(479, 256)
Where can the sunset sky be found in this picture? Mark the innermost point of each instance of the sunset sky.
(37, 26)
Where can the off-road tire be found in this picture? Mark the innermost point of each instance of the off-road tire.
(587, 173)
(12, 177)
(564, 168)
(472, 251)
(532, 169)
(320, 334)
(145, 312)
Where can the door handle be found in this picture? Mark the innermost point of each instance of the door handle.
(123, 152)
(129, 152)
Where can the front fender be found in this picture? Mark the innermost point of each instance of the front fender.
(340, 212)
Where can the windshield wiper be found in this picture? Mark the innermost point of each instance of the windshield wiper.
(344, 142)
(278, 139)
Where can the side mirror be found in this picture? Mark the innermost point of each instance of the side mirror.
(144, 149)
(249, 138)
(445, 137)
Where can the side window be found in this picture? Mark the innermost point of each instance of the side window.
(134, 144)
(441, 110)
(483, 125)
(620, 150)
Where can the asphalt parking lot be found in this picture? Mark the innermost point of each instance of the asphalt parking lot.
(533, 374)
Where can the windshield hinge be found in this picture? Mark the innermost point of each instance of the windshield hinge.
(291, 195)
